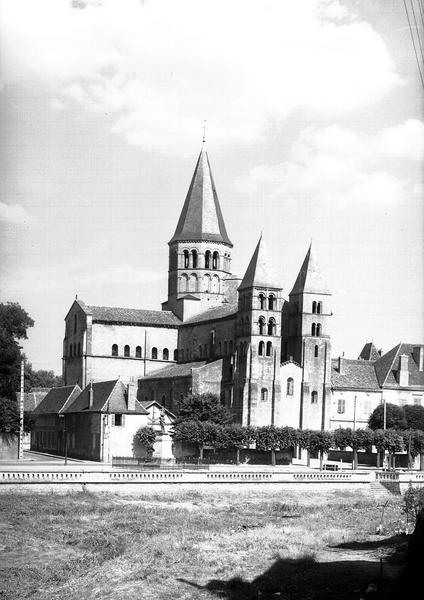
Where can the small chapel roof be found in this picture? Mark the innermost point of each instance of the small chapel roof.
(57, 400)
(137, 316)
(259, 273)
(108, 397)
(201, 217)
(309, 279)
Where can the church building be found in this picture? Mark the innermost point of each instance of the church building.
(268, 357)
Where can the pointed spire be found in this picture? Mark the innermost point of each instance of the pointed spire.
(310, 279)
(259, 273)
(201, 218)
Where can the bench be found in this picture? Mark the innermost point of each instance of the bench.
(331, 467)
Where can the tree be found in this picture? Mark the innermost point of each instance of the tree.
(267, 439)
(388, 440)
(414, 416)
(415, 443)
(145, 437)
(203, 407)
(320, 441)
(238, 437)
(14, 322)
(9, 416)
(361, 440)
(395, 418)
(40, 378)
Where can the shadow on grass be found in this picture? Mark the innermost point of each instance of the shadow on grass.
(304, 578)
(394, 541)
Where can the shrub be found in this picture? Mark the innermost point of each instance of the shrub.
(145, 438)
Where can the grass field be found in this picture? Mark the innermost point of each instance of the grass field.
(249, 543)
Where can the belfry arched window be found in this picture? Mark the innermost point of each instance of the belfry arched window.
(261, 325)
(186, 259)
(314, 307)
(261, 348)
(246, 326)
(318, 329)
(319, 308)
(154, 353)
(79, 349)
(225, 348)
(115, 350)
(271, 302)
(207, 259)
(313, 329)
(138, 352)
(184, 283)
(269, 348)
(200, 351)
(176, 354)
(75, 323)
(215, 284)
(290, 386)
(126, 350)
(192, 283)
(215, 260)
(207, 283)
(165, 354)
(262, 301)
(194, 259)
(316, 351)
(271, 326)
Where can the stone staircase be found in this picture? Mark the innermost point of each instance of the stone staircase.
(384, 490)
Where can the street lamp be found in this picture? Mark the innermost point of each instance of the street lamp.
(63, 416)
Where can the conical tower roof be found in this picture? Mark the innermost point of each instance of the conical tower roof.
(259, 273)
(201, 218)
(310, 279)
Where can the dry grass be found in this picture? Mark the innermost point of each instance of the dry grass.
(227, 542)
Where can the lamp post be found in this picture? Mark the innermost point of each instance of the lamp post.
(63, 416)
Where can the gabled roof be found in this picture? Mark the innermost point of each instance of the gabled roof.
(309, 279)
(33, 398)
(108, 397)
(149, 403)
(387, 367)
(182, 370)
(369, 352)
(259, 273)
(57, 400)
(357, 374)
(134, 316)
(228, 309)
(201, 217)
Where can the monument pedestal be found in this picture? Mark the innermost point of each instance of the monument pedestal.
(162, 453)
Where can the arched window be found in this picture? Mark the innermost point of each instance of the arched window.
(176, 354)
(79, 349)
(271, 326)
(268, 348)
(262, 301)
(192, 283)
(318, 329)
(207, 259)
(126, 350)
(264, 394)
(261, 325)
(319, 308)
(247, 326)
(271, 302)
(225, 348)
(261, 348)
(194, 258)
(316, 350)
(205, 349)
(290, 386)
(215, 284)
(138, 352)
(154, 353)
(115, 350)
(165, 354)
(207, 280)
(186, 259)
(314, 398)
(184, 283)
(215, 260)
(219, 349)
(75, 323)
(200, 351)
(71, 350)
(313, 329)
(314, 307)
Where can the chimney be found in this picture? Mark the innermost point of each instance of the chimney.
(90, 396)
(418, 354)
(403, 370)
(131, 394)
(340, 364)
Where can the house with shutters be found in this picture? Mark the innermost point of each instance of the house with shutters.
(265, 352)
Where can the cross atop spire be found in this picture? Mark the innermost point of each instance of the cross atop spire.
(201, 217)
(204, 131)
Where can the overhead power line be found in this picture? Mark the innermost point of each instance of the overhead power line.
(415, 37)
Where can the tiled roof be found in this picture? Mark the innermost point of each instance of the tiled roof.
(201, 216)
(136, 316)
(259, 273)
(182, 370)
(108, 397)
(309, 278)
(57, 399)
(369, 352)
(388, 365)
(33, 398)
(357, 374)
(213, 314)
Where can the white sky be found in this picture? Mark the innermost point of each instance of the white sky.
(315, 129)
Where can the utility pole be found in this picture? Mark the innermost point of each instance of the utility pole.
(384, 413)
(21, 415)
(354, 414)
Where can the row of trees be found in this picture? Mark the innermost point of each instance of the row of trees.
(410, 416)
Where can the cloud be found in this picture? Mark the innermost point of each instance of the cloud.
(16, 214)
(341, 167)
(162, 67)
(121, 275)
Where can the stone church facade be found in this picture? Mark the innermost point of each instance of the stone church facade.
(268, 358)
